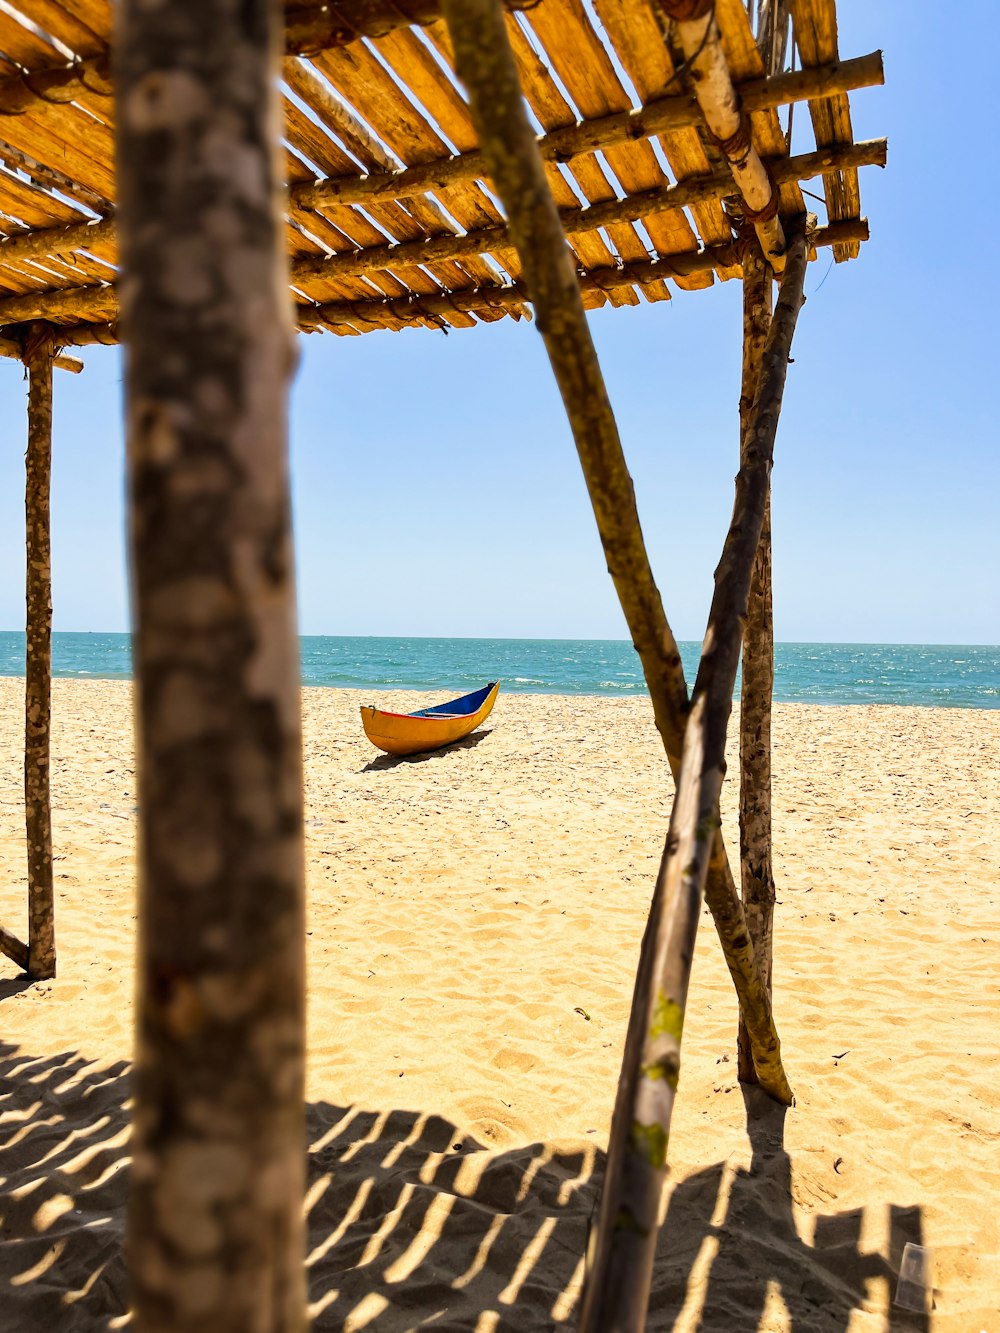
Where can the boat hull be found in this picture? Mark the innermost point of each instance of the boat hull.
(414, 733)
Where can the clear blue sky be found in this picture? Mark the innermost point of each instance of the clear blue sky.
(437, 491)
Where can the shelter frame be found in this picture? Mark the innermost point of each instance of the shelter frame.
(384, 229)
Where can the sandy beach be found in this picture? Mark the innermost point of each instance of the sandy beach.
(474, 922)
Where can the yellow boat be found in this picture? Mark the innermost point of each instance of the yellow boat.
(430, 728)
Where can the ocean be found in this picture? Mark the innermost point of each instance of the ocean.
(931, 675)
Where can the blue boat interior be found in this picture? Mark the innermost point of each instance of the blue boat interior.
(468, 703)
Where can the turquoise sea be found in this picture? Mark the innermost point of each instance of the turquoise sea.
(932, 675)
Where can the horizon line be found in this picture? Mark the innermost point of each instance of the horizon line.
(536, 638)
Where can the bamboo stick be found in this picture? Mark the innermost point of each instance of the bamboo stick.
(617, 1291)
(214, 1234)
(38, 654)
(720, 105)
(82, 303)
(486, 65)
(757, 878)
(14, 949)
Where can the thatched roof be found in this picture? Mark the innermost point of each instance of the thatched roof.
(391, 220)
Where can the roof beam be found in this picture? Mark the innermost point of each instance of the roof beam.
(314, 318)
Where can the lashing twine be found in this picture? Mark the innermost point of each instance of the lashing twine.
(770, 210)
(739, 143)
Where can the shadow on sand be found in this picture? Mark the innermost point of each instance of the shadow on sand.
(413, 1223)
(387, 761)
(742, 1222)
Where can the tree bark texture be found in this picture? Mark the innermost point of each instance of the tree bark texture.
(616, 1295)
(758, 672)
(215, 1239)
(38, 656)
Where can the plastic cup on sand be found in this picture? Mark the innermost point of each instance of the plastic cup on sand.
(914, 1286)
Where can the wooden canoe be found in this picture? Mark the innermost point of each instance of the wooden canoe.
(429, 728)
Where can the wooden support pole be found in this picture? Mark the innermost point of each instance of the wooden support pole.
(486, 65)
(701, 41)
(38, 655)
(13, 948)
(756, 874)
(617, 1291)
(215, 1233)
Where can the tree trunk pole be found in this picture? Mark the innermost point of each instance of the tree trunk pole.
(509, 145)
(758, 670)
(215, 1236)
(617, 1291)
(38, 656)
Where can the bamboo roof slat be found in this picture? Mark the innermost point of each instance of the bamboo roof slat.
(815, 25)
(553, 112)
(89, 15)
(591, 81)
(391, 212)
(424, 213)
(36, 209)
(579, 219)
(347, 229)
(414, 62)
(69, 29)
(17, 279)
(635, 35)
(588, 74)
(23, 45)
(659, 114)
(54, 136)
(590, 172)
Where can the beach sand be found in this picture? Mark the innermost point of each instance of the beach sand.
(474, 921)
